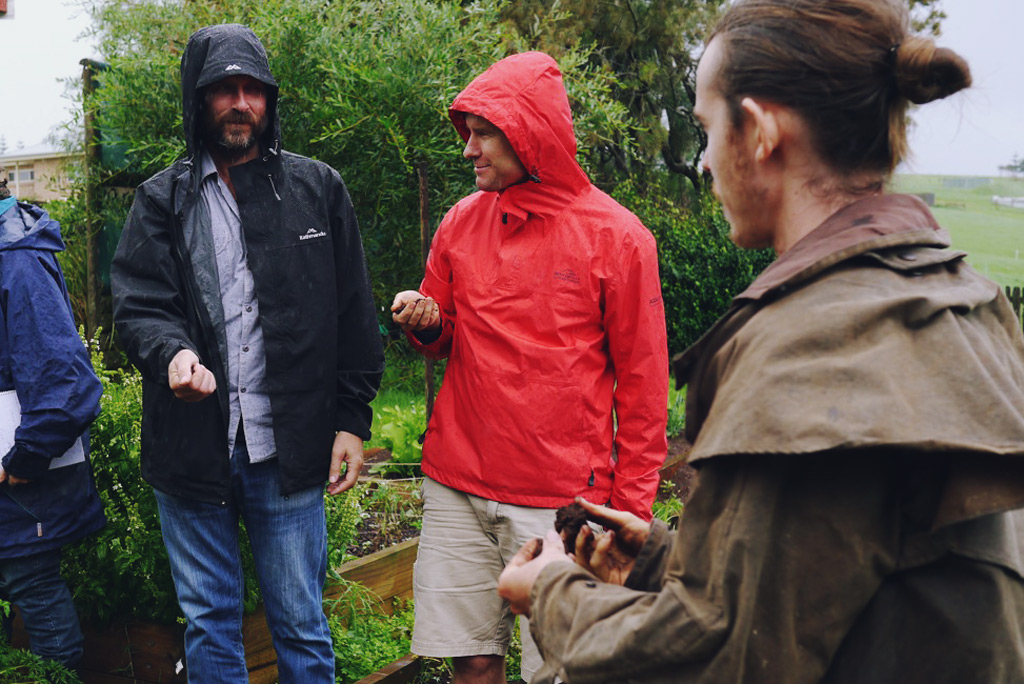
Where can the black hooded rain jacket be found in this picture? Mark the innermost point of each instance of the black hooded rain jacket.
(323, 348)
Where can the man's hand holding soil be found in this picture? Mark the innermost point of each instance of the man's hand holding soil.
(610, 555)
(414, 312)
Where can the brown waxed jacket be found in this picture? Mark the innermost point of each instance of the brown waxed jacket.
(858, 424)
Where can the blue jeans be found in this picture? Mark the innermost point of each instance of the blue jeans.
(288, 535)
(34, 585)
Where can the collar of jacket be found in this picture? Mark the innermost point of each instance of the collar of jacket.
(532, 198)
(189, 176)
(867, 225)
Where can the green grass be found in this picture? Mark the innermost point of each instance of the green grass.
(992, 235)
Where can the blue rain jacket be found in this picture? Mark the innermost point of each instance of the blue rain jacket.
(43, 358)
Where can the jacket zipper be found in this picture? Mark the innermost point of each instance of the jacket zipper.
(39, 523)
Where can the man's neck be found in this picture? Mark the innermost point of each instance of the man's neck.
(224, 162)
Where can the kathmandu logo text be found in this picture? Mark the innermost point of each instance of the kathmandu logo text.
(313, 233)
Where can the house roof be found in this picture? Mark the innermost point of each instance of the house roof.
(44, 150)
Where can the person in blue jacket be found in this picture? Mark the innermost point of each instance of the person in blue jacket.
(49, 395)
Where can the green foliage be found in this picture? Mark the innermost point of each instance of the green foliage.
(676, 411)
(927, 16)
(701, 270)
(668, 507)
(74, 259)
(397, 427)
(514, 657)
(436, 671)
(21, 667)
(649, 48)
(123, 570)
(365, 87)
(366, 640)
(344, 513)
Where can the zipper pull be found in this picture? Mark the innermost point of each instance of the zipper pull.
(273, 187)
(39, 529)
(590, 483)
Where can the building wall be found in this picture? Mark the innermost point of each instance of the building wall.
(41, 180)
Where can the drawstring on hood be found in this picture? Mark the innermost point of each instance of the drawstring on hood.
(523, 95)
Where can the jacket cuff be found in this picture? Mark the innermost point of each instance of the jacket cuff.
(650, 564)
(431, 345)
(348, 420)
(553, 578)
(428, 337)
(22, 463)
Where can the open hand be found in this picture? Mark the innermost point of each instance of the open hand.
(517, 579)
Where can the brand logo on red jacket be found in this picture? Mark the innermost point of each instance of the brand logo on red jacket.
(568, 276)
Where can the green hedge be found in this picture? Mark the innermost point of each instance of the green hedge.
(701, 270)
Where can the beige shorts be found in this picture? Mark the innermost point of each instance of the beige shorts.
(464, 545)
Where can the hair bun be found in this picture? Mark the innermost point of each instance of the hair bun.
(925, 72)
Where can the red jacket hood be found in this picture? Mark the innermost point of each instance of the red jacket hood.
(524, 96)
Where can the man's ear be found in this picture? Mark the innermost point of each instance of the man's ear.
(766, 132)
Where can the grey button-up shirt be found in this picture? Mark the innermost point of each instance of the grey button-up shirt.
(247, 360)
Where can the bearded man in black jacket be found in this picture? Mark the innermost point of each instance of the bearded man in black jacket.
(241, 293)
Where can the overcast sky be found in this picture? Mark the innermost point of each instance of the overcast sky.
(973, 133)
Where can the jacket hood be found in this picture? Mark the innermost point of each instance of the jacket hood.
(26, 226)
(524, 96)
(217, 52)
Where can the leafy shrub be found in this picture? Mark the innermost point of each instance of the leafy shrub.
(344, 513)
(676, 411)
(366, 639)
(365, 87)
(669, 507)
(397, 427)
(21, 667)
(701, 270)
(123, 569)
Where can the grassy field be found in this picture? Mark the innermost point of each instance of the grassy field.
(992, 235)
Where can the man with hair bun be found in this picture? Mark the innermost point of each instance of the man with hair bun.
(857, 416)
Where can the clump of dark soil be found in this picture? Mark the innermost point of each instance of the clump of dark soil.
(568, 522)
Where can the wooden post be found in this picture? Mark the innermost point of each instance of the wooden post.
(421, 170)
(94, 224)
(1016, 297)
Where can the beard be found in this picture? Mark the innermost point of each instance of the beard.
(234, 134)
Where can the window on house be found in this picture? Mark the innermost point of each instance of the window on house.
(26, 174)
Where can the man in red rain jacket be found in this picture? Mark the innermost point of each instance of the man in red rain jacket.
(544, 295)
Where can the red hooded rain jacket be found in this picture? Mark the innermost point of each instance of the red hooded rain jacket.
(552, 317)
